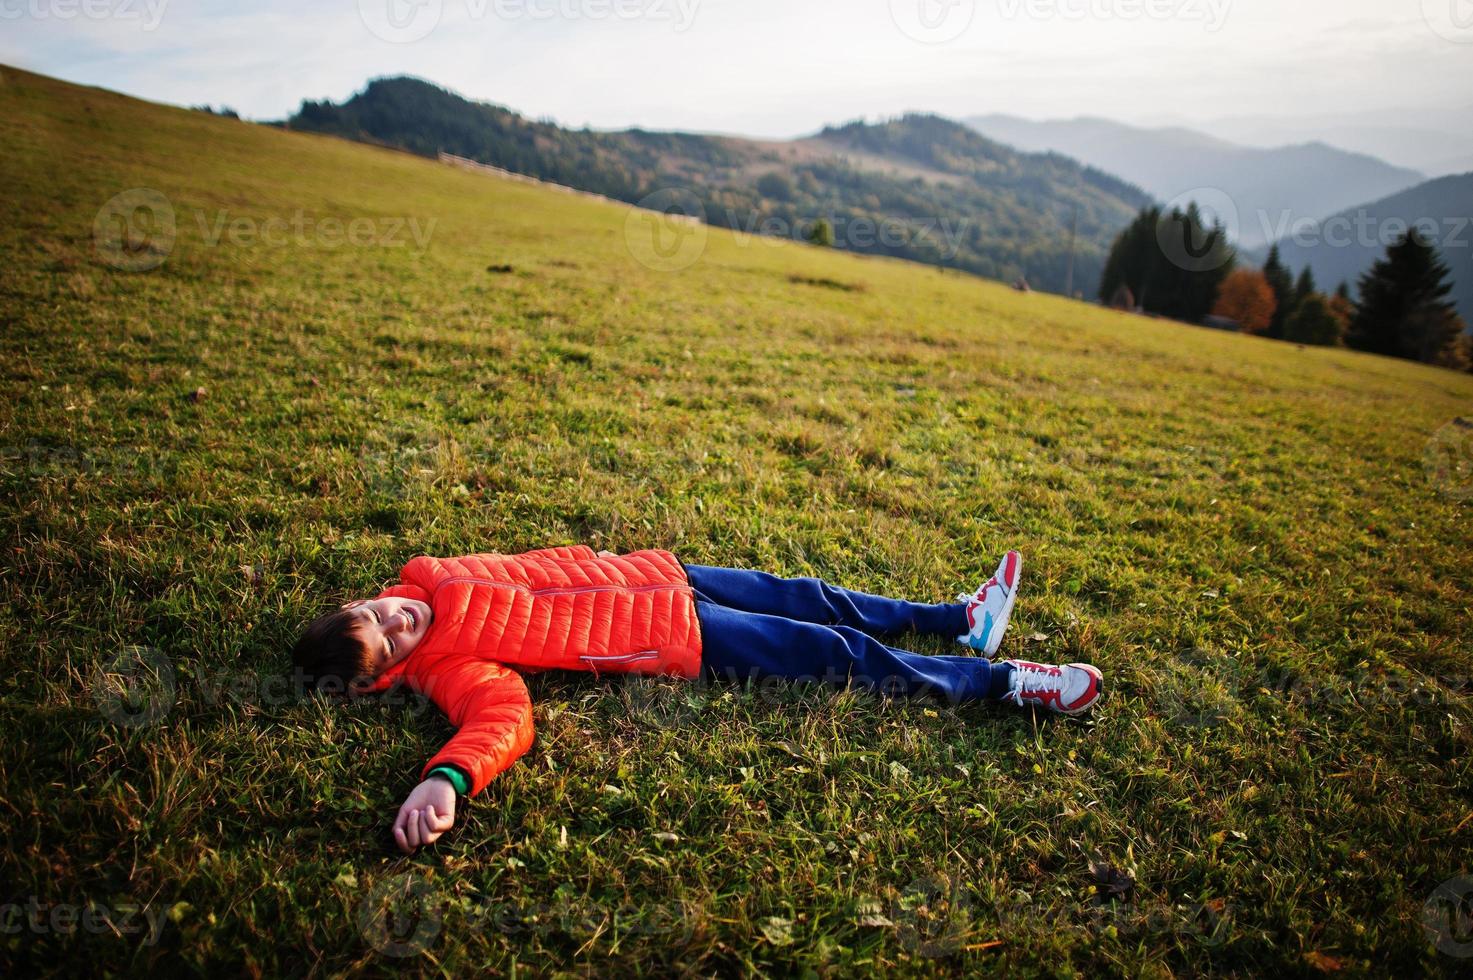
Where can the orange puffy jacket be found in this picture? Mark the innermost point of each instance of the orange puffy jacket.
(563, 608)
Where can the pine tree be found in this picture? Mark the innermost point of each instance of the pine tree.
(1172, 263)
(1304, 287)
(1281, 281)
(1404, 311)
(1313, 322)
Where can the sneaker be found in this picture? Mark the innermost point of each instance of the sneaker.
(1070, 689)
(989, 608)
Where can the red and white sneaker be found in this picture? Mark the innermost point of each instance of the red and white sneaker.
(1070, 689)
(989, 608)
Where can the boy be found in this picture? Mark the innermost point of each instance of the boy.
(458, 630)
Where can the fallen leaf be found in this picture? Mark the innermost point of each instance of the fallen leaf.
(790, 748)
(1323, 961)
(1110, 881)
(778, 931)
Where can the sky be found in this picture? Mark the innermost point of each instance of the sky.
(778, 68)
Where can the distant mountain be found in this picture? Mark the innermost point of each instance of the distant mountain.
(919, 187)
(1345, 245)
(1269, 187)
(1434, 139)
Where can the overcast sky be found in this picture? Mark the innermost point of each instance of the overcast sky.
(775, 67)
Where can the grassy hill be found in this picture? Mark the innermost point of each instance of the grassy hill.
(919, 187)
(345, 356)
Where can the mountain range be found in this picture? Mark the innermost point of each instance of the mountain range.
(1268, 188)
(918, 187)
(1435, 140)
(1000, 196)
(1345, 245)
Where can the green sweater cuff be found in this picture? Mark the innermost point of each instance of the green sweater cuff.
(457, 778)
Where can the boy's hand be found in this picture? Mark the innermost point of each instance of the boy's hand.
(427, 813)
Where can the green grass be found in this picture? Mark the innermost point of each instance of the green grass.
(1241, 533)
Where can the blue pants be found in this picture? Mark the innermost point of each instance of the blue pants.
(757, 625)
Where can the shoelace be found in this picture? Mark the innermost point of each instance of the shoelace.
(975, 598)
(1035, 680)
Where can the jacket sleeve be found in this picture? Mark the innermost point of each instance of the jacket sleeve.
(489, 705)
(578, 552)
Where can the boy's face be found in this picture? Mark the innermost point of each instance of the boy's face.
(392, 628)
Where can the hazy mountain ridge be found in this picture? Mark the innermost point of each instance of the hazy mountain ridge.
(1343, 246)
(1268, 187)
(920, 187)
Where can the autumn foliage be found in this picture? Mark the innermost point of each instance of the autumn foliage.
(1245, 296)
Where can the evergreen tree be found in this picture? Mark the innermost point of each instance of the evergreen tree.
(1313, 322)
(1173, 264)
(1404, 311)
(1304, 287)
(821, 234)
(1281, 281)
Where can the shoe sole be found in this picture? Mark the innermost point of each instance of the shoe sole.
(1000, 625)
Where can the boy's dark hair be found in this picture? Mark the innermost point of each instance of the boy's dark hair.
(332, 656)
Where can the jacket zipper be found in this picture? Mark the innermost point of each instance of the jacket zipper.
(555, 590)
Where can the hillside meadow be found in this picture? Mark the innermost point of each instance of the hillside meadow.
(337, 357)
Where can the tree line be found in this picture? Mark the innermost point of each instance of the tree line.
(1176, 264)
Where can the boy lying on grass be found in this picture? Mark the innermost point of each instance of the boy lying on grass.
(458, 630)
